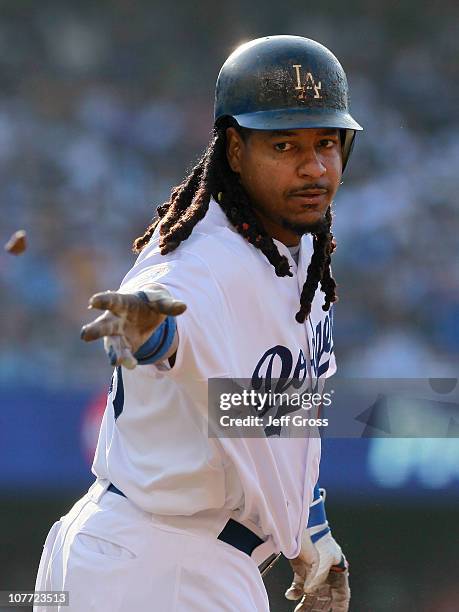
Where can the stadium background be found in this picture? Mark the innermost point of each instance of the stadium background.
(103, 105)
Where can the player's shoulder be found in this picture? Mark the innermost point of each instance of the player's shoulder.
(197, 261)
(206, 249)
(213, 241)
(214, 252)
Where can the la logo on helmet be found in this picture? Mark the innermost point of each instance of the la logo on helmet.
(309, 84)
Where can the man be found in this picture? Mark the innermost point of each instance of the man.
(226, 286)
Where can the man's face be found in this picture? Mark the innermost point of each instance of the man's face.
(291, 177)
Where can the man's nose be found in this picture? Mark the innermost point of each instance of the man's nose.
(311, 165)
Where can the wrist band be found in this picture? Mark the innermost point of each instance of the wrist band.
(317, 521)
(159, 342)
(317, 514)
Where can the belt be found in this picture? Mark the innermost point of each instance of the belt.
(233, 533)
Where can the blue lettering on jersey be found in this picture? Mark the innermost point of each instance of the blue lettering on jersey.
(280, 359)
(322, 344)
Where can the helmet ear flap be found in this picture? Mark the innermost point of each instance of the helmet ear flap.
(347, 144)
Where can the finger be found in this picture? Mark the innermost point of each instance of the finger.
(300, 569)
(118, 303)
(119, 352)
(105, 325)
(341, 593)
(318, 601)
(295, 591)
(315, 575)
(161, 301)
(302, 572)
(172, 307)
(113, 349)
(123, 304)
(127, 359)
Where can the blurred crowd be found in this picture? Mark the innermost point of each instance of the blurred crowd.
(104, 107)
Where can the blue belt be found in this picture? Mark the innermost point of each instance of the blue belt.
(233, 533)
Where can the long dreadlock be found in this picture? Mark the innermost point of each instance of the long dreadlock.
(213, 177)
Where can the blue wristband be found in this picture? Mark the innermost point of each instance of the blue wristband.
(317, 514)
(317, 521)
(158, 343)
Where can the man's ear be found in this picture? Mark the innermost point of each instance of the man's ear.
(234, 148)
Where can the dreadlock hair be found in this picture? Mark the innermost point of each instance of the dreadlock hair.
(213, 177)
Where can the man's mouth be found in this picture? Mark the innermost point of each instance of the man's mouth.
(309, 196)
(306, 193)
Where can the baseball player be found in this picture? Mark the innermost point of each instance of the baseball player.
(232, 281)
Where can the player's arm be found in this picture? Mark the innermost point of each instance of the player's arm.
(136, 327)
(321, 572)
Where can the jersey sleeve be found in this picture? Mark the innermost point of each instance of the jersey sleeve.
(202, 343)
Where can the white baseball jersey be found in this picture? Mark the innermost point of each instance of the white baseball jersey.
(239, 323)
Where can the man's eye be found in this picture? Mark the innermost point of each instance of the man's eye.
(328, 143)
(283, 146)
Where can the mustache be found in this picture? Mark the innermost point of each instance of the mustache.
(308, 186)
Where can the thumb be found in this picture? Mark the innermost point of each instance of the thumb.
(304, 567)
(329, 554)
(161, 301)
(313, 570)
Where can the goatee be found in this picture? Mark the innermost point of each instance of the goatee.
(318, 227)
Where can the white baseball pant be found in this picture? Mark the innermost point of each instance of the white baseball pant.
(111, 556)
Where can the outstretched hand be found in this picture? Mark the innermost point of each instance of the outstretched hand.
(129, 320)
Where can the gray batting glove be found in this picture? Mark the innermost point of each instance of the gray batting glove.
(332, 596)
(129, 321)
(321, 576)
